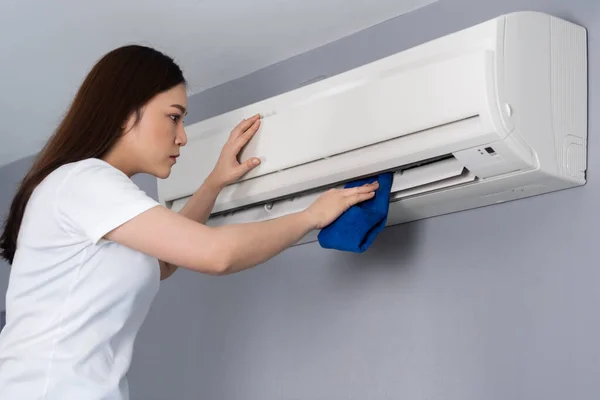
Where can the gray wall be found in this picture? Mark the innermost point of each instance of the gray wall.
(484, 304)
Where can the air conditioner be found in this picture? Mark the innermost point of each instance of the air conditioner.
(492, 113)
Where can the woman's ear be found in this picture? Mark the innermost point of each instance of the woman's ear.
(132, 121)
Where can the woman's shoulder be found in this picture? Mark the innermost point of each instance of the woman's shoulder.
(88, 163)
(82, 173)
(88, 166)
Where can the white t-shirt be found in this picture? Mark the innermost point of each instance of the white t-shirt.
(75, 301)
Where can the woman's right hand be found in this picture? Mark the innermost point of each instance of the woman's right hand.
(333, 203)
(174, 239)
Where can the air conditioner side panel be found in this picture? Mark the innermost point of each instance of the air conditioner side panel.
(545, 83)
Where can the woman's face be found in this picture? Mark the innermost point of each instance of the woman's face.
(156, 140)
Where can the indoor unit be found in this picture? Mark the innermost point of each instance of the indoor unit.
(492, 113)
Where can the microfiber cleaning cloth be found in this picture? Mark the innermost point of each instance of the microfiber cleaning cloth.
(356, 229)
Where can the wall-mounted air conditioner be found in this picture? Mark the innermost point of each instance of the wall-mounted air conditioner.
(493, 113)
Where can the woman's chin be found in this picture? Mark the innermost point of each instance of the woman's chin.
(163, 172)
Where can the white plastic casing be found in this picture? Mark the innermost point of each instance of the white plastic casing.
(495, 112)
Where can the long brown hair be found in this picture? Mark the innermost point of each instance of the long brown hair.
(120, 84)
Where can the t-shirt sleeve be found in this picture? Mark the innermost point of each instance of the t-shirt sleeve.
(95, 198)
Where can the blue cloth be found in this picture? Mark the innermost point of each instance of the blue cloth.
(358, 227)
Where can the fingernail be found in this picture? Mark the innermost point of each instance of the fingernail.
(255, 161)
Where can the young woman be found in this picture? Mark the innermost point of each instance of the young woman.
(87, 246)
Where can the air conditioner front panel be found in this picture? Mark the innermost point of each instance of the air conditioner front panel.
(402, 101)
(398, 103)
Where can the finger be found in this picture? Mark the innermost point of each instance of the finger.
(245, 137)
(358, 198)
(362, 189)
(244, 125)
(248, 165)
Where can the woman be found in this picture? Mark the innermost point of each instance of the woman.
(87, 246)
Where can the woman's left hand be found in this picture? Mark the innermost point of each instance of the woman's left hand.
(228, 169)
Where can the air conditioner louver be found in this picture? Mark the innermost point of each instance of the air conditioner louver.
(441, 173)
(437, 175)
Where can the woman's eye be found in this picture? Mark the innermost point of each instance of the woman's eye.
(175, 118)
